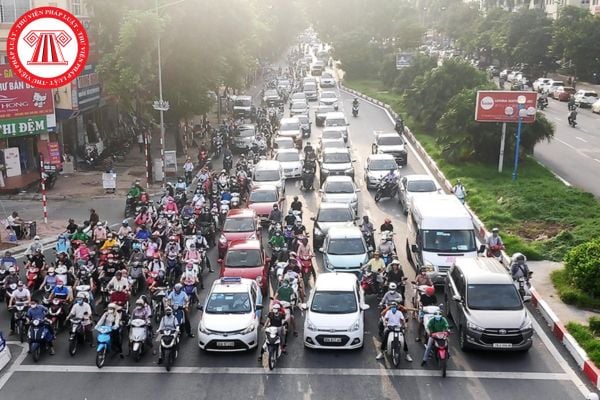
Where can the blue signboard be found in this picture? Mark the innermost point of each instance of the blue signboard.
(89, 89)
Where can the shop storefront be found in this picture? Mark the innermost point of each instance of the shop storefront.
(27, 132)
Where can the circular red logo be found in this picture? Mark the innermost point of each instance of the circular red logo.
(47, 47)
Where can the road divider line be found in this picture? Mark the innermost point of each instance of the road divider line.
(582, 139)
(548, 376)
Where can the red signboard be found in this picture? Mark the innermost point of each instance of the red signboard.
(18, 99)
(503, 106)
(54, 153)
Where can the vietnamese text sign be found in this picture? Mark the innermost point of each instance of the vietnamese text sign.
(19, 99)
(23, 126)
(503, 106)
(54, 153)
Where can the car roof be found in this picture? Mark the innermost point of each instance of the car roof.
(336, 281)
(335, 114)
(336, 150)
(290, 119)
(298, 102)
(344, 232)
(243, 97)
(265, 188)
(221, 286)
(328, 106)
(267, 164)
(483, 270)
(328, 91)
(298, 94)
(292, 150)
(419, 177)
(381, 157)
(331, 206)
(241, 213)
(251, 244)
(280, 139)
(387, 134)
(338, 178)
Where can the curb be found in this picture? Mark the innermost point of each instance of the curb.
(558, 329)
(5, 357)
(17, 250)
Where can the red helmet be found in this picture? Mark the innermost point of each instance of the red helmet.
(156, 256)
(111, 256)
(430, 291)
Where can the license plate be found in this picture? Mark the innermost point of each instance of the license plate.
(225, 344)
(502, 345)
(332, 340)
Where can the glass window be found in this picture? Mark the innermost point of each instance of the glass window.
(382, 165)
(336, 158)
(346, 247)
(76, 7)
(390, 141)
(266, 175)
(421, 186)
(288, 157)
(246, 133)
(334, 215)
(10, 10)
(339, 187)
(325, 109)
(331, 135)
(335, 122)
(263, 196)
(328, 95)
(243, 258)
(333, 302)
(229, 303)
(493, 297)
(448, 241)
(242, 103)
(239, 225)
(290, 126)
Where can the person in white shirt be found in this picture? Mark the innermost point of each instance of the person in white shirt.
(82, 310)
(392, 318)
(119, 283)
(35, 246)
(459, 191)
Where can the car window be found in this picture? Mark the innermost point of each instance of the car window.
(246, 133)
(333, 144)
(421, 186)
(390, 141)
(288, 157)
(328, 95)
(346, 246)
(243, 258)
(263, 196)
(448, 240)
(493, 297)
(333, 302)
(335, 122)
(334, 215)
(382, 165)
(242, 103)
(325, 109)
(331, 135)
(228, 303)
(266, 175)
(239, 225)
(336, 158)
(298, 106)
(339, 187)
(290, 126)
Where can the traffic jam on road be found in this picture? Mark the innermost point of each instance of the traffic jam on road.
(310, 237)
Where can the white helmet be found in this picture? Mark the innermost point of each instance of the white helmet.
(393, 286)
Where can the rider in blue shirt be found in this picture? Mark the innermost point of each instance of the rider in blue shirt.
(179, 300)
(8, 260)
(39, 312)
(63, 245)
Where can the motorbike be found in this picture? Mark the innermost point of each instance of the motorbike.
(40, 338)
(495, 251)
(172, 268)
(572, 118)
(223, 210)
(386, 189)
(355, 110)
(440, 351)
(399, 126)
(306, 266)
(418, 291)
(272, 345)
(369, 284)
(428, 313)
(158, 303)
(76, 336)
(56, 314)
(227, 163)
(524, 285)
(136, 275)
(235, 200)
(308, 178)
(104, 344)
(169, 347)
(33, 277)
(138, 337)
(395, 344)
(188, 177)
(202, 158)
(542, 103)
(20, 318)
(278, 254)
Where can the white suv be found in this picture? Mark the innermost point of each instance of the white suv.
(335, 313)
(231, 316)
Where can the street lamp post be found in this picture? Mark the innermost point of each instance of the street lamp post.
(161, 106)
(521, 113)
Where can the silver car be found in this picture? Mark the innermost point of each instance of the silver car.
(329, 98)
(328, 216)
(412, 186)
(378, 166)
(344, 249)
(340, 189)
(244, 138)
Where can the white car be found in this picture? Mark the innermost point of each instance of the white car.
(585, 98)
(290, 127)
(298, 107)
(539, 83)
(298, 96)
(291, 161)
(327, 80)
(230, 316)
(596, 107)
(378, 166)
(335, 313)
(340, 189)
(391, 143)
(412, 186)
(551, 86)
(337, 121)
(329, 98)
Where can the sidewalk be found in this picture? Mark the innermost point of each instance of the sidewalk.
(578, 85)
(543, 285)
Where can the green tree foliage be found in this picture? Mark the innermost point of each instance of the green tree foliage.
(428, 99)
(582, 264)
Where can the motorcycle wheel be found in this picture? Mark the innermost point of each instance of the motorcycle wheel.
(135, 287)
(378, 195)
(21, 330)
(73, 346)
(137, 355)
(100, 358)
(272, 359)
(37, 353)
(168, 354)
(396, 356)
(443, 366)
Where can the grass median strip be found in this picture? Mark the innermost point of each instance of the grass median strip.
(588, 337)
(537, 215)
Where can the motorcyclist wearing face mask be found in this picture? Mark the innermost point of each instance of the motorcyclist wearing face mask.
(393, 318)
(436, 324)
(39, 312)
(423, 278)
(167, 322)
(391, 296)
(82, 310)
(112, 318)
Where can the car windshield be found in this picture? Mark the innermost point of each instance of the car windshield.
(328, 95)
(334, 302)
(331, 135)
(303, 119)
(243, 258)
(421, 186)
(310, 87)
(239, 225)
(228, 303)
(298, 106)
(336, 158)
(382, 165)
(334, 215)
(247, 133)
(493, 297)
(284, 144)
(290, 126)
(346, 247)
(266, 175)
(390, 141)
(242, 103)
(263, 196)
(333, 144)
(450, 241)
(335, 122)
(325, 109)
(298, 96)
(288, 157)
(339, 187)
(326, 75)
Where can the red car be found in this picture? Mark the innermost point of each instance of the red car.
(240, 224)
(246, 259)
(564, 93)
(262, 198)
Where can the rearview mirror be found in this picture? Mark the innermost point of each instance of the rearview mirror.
(302, 306)
(321, 249)
(364, 307)
(482, 249)
(357, 190)
(526, 299)
(414, 248)
(457, 297)
(199, 307)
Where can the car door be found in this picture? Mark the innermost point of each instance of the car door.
(402, 192)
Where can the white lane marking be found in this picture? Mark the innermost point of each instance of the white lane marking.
(595, 159)
(565, 143)
(296, 372)
(582, 139)
(16, 363)
(559, 358)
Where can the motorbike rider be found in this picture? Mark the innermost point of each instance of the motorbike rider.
(8, 260)
(124, 230)
(134, 192)
(375, 265)
(284, 293)
(80, 235)
(180, 186)
(519, 268)
(112, 318)
(368, 229)
(459, 191)
(63, 245)
(277, 240)
(355, 102)
(572, 117)
(34, 246)
(390, 177)
(119, 283)
(188, 168)
(275, 215)
(393, 318)
(296, 205)
(391, 296)
(71, 227)
(110, 242)
(386, 226)
(178, 299)
(309, 152)
(436, 324)
(171, 206)
(82, 310)
(187, 211)
(494, 243)
(290, 218)
(423, 278)
(39, 312)
(571, 103)
(299, 228)
(20, 295)
(428, 298)
(399, 125)
(395, 274)
(387, 247)
(276, 318)
(100, 232)
(167, 322)
(141, 311)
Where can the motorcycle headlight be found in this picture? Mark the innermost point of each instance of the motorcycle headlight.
(355, 326)
(474, 327)
(310, 326)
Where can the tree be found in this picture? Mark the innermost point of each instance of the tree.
(582, 264)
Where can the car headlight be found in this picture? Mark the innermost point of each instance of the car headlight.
(349, 170)
(223, 239)
(248, 330)
(324, 170)
(355, 326)
(527, 325)
(474, 327)
(318, 232)
(310, 326)
(252, 237)
(202, 328)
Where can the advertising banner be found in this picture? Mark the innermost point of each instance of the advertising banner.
(19, 99)
(54, 153)
(23, 126)
(503, 106)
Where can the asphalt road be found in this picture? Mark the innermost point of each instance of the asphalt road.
(302, 374)
(574, 153)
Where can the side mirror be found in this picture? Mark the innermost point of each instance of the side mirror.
(220, 261)
(303, 306)
(259, 307)
(414, 248)
(456, 297)
(526, 299)
(321, 249)
(481, 249)
(320, 190)
(357, 190)
(364, 307)
(199, 307)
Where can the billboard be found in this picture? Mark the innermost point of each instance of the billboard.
(403, 60)
(503, 106)
(18, 99)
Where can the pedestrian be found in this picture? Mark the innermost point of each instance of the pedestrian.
(15, 223)
(140, 140)
(569, 81)
(94, 218)
(460, 191)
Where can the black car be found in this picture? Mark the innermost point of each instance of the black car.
(321, 113)
(272, 98)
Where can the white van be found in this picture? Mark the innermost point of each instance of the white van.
(440, 230)
(269, 172)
